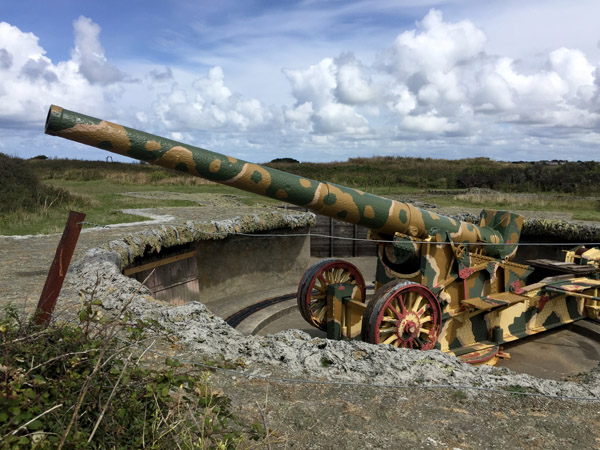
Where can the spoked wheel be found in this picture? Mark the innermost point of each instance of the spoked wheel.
(312, 291)
(403, 314)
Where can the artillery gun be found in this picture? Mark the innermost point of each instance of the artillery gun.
(441, 283)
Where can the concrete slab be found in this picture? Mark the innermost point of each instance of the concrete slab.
(291, 320)
(556, 354)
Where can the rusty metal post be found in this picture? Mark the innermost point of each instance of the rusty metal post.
(58, 269)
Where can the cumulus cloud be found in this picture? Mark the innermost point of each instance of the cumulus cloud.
(25, 76)
(326, 97)
(89, 54)
(161, 76)
(210, 105)
(443, 82)
(30, 81)
(434, 86)
(6, 59)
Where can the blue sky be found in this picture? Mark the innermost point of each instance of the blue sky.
(313, 80)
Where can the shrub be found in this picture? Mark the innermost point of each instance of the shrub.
(20, 189)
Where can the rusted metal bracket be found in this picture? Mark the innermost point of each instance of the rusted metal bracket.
(58, 269)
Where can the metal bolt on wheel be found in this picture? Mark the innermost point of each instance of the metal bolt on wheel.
(312, 291)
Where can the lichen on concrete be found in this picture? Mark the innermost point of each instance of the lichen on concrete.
(152, 241)
(561, 230)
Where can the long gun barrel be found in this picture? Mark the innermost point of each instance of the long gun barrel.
(379, 214)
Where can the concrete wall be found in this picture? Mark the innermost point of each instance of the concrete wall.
(243, 264)
(212, 270)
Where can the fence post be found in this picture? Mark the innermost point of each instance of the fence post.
(58, 269)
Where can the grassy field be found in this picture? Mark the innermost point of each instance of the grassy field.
(39, 193)
(97, 189)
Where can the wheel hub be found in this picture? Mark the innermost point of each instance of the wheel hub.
(407, 327)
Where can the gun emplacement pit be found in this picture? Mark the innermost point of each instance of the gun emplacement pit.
(202, 329)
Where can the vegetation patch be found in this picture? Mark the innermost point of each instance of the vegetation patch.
(53, 186)
(21, 191)
(578, 177)
(82, 386)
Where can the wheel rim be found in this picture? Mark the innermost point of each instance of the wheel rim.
(407, 317)
(312, 291)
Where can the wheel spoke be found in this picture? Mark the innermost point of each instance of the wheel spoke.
(320, 288)
(318, 296)
(337, 274)
(390, 339)
(323, 281)
(320, 314)
(345, 277)
(317, 305)
(312, 290)
(406, 314)
(391, 312)
(408, 299)
(400, 300)
(418, 301)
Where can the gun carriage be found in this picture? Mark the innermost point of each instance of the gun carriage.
(441, 283)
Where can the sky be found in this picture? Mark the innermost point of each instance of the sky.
(314, 80)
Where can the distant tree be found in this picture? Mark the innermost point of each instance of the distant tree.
(286, 160)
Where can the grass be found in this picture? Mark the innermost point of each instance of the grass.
(102, 203)
(53, 187)
(39, 193)
(581, 208)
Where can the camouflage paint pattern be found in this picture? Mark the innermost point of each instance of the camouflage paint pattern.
(344, 311)
(584, 256)
(483, 298)
(486, 301)
(350, 205)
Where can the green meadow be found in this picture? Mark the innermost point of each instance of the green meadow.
(36, 194)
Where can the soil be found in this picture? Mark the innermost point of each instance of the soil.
(319, 394)
(304, 416)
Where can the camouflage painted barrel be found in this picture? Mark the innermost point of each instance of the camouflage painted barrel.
(350, 205)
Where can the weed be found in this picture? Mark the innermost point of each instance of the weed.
(460, 395)
(516, 390)
(325, 362)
